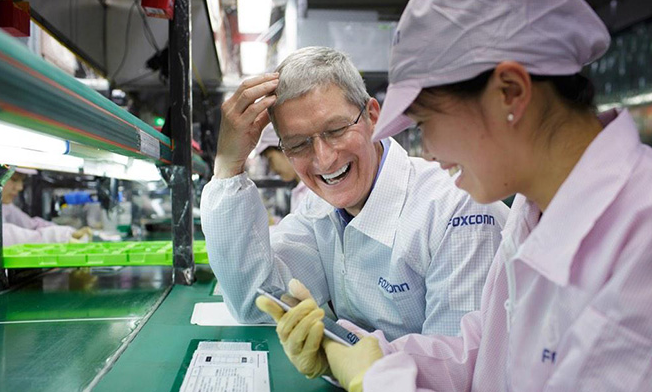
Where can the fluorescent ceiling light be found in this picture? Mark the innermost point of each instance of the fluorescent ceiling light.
(606, 106)
(97, 155)
(254, 16)
(137, 170)
(40, 160)
(18, 137)
(104, 169)
(289, 31)
(96, 84)
(253, 57)
(638, 99)
(140, 170)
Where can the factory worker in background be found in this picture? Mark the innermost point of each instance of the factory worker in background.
(495, 88)
(268, 148)
(20, 228)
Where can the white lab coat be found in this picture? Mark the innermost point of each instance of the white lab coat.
(20, 228)
(568, 301)
(299, 193)
(414, 260)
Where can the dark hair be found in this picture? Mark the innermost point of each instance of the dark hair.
(576, 90)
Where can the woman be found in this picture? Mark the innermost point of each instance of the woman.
(20, 228)
(278, 163)
(567, 305)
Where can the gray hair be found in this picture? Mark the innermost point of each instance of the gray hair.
(315, 66)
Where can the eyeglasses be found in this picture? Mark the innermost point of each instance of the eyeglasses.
(296, 147)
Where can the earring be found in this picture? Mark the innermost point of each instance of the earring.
(510, 117)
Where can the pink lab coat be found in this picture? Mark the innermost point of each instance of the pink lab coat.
(567, 305)
(20, 228)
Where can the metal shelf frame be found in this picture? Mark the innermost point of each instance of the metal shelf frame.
(37, 95)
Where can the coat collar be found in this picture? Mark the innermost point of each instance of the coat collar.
(379, 217)
(593, 184)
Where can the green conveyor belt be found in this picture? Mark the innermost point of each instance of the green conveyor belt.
(99, 254)
(37, 95)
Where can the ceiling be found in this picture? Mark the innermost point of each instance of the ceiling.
(617, 14)
(112, 36)
(387, 9)
(115, 39)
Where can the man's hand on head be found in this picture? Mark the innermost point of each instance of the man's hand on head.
(244, 115)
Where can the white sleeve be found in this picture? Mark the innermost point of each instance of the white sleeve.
(235, 224)
(13, 234)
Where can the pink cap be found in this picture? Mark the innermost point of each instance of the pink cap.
(268, 139)
(439, 42)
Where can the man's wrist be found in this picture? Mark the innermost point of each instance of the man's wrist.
(227, 169)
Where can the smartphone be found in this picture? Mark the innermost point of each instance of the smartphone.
(331, 328)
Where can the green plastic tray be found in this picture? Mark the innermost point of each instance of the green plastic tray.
(96, 254)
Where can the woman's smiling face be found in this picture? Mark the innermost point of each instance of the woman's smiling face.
(467, 142)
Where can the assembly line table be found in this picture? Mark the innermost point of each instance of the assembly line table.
(117, 329)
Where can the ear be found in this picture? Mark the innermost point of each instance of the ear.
(515, 87)
(373, 109)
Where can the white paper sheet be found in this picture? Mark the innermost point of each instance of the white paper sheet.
(214, 314)
(227, 371)
(233, 346)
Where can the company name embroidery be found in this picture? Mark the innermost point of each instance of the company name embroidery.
(393, 288)
(472, 220)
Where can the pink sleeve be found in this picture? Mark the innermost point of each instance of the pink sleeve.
(55, 233)
(424, 363)
(12, 234)
(12, 214)
(40, 222)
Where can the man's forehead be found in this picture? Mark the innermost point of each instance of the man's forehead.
(307, 114)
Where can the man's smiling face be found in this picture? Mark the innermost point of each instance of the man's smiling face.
(339, 171)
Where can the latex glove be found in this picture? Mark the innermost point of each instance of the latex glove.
(244, 115)
(83, 232)
(300, 330)
(349, 364)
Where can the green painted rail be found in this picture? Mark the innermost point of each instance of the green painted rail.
(37, 95)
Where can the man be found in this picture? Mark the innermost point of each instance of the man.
(363, 241)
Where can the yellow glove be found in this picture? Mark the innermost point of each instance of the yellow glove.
(300, 330)
(84, 231)
(349, 364)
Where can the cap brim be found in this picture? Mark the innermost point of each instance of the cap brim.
(23, 170)
(268, 139)
(260, 148)
(392, 120)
